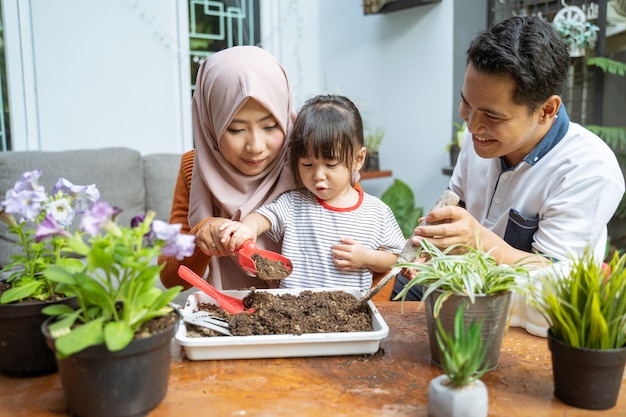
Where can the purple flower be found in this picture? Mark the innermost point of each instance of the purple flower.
(176, 244)
(165, 231)
(49, 228)
(61, 211)
(84, 196)
(29, 181)
(137, 220)
(27, 204)
(180, 246)
(94, 219)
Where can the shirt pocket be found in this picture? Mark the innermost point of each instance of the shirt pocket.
(520, 230)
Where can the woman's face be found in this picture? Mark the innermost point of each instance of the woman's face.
(253, 139)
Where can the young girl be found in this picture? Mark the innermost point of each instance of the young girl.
(335, 234)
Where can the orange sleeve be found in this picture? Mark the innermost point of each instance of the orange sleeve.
(179, 214)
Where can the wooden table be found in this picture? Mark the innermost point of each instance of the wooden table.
(393, 382)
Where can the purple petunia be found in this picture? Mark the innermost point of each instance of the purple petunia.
(26, 204)
(94, 219)
(49, 228)
(83, 196)
(176, 244)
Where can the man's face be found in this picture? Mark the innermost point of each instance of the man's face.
(499, 126)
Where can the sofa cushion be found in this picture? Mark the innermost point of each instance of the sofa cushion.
(117, 172)
(160, 173)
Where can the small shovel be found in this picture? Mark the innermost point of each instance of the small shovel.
(448, 198)
(250, 248)
(231, 304)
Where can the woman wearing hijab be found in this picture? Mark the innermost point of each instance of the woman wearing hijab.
(242, 119)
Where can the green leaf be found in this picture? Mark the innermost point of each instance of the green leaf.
(58, 274)
(117, 335)
(21, 292)
(81, 337)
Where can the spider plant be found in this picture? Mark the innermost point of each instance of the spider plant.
(585, 302)
(469, 273)
(463, 352)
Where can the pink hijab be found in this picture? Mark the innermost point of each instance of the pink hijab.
(225, 81)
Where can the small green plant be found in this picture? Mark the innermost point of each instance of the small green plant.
(469, 273)
(585, 302)
(373, 139)
(401, 200)
(463, 352)
(576, 33)
(457, 138)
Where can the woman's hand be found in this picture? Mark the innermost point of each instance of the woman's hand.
(208, 238)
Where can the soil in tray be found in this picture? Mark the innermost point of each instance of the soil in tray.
(306, 312)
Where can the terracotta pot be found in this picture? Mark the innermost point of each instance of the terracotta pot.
(131, 382)
(447, 401)
(23, 350)
(492, 309)
(586, 378)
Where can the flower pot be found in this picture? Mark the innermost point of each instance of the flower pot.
(586, 378)
(371, 162)
(493, 310)
(454, 154)
(23, 350)
(131, 382)
(447, 401)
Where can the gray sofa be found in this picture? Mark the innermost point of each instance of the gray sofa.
(124, 177)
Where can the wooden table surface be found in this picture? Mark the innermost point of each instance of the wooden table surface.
(393, 382)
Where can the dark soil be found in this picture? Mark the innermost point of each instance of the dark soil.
(157, 325)
(269, 269)
(306, 312)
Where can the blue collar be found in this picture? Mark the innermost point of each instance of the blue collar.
(555, 134)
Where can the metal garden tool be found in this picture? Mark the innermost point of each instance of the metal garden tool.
(408, 254)
(208, 320)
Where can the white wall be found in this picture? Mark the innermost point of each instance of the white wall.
(114, 73)
(397, 67)
(101, 74)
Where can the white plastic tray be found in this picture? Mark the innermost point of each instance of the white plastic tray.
(280, 346)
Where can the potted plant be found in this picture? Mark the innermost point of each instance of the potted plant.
(373, 140)
(459, 391)
(585, 306)
(451, 279)
(113, 350)
(26, 290)
(454, 147)
(571, 24)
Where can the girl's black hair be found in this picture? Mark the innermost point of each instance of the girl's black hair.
(327, 127)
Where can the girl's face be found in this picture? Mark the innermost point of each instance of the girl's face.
(329, 180)
(253, 139)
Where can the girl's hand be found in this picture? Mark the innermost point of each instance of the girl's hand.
(233, 235)
(349, 254)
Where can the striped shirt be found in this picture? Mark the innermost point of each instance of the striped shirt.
(309, 227)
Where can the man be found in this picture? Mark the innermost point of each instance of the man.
(534, 186)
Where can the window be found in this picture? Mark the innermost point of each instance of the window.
(217, 25)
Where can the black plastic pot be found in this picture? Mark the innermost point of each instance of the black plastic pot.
(586, 378)
(492, 310)
(131, 382)
(23, 349)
